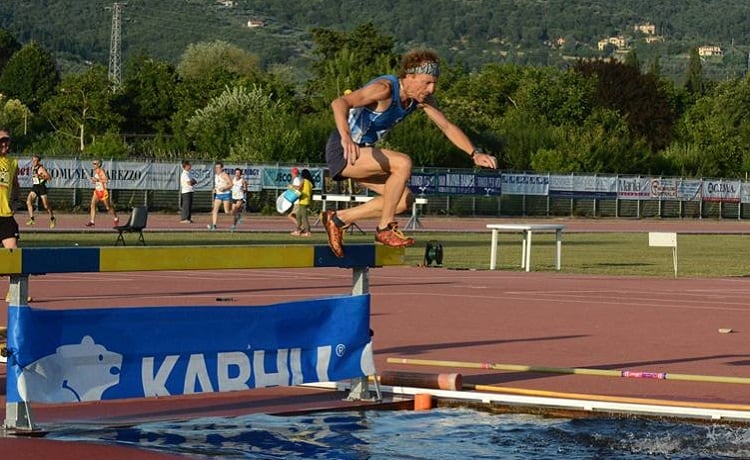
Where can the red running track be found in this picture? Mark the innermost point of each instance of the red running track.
(537, 319)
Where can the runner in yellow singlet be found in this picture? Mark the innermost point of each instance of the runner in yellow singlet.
(8, 193)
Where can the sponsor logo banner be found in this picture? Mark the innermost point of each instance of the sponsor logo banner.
(721, 191)
(114, 353)
(582, 187)
(279, 177)
(423, 183)
(456, 183)
(633, 188)
(525, 184)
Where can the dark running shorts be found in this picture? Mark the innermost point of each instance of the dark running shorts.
(335, 155)
(39, 189)
(8, 228)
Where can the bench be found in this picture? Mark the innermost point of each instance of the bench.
(527, 230)
(412, 224)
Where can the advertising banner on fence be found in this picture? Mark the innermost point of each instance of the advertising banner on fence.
(689, 189)
(123, 175)
(456, 183)
(663, 188)
(423, 183)
(62, 356)
(66, 173)
(488, 185)
(279, 177)
(525, 184)
(584, 187)
(633, 188)
(253, 175)
(721, 191)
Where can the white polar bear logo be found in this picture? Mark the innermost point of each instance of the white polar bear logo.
(77, 372)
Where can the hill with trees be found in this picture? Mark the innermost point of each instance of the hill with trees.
(526, 80)
(471, 32)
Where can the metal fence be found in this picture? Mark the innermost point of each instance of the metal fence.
(439, 205)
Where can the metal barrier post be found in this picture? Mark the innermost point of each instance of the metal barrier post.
(360, 387)
(18, 415)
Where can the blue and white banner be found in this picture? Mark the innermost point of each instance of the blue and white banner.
(456, 183)
(113, 353)
(726, 191)
(525, 184)
(487, 185)
(584, 187)
(423, 183)
(279, 177)
(634, 188)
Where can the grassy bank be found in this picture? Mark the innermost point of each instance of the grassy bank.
(588, 253)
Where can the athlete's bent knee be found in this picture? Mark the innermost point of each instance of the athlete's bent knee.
(401, 165)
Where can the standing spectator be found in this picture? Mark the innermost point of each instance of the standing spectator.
(239, 192)
(100, 179)
(39, 178)
(187, 184)
(222, 194)
(8, 193)
(304, 201)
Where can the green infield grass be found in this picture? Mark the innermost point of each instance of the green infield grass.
(622, 254)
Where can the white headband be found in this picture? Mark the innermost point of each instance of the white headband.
(429, 68)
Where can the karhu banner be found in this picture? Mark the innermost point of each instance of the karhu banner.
(113, 353)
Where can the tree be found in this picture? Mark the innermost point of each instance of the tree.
(694, 83)
(200, 59)
(602, 144)
(638, 98)
(14, 115)
(245, 125)
(718, 127)
(8, 46)
(30, 75)
(365, 42)
(631, 59)
(147, 99)
(347, 61)
(82, 108)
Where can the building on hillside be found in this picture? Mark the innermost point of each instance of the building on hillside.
(226, 3)
(255, 23)
(618, 42)
(710, 50)
(645, 28)
(655, 39)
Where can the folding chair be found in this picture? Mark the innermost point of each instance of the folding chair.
(136, 223)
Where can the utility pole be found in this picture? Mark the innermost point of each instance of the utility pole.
(115, 46)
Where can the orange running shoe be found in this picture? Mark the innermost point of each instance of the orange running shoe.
(392, 236)
(335, 233)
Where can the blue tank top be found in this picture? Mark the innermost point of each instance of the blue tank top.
(368, 126)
